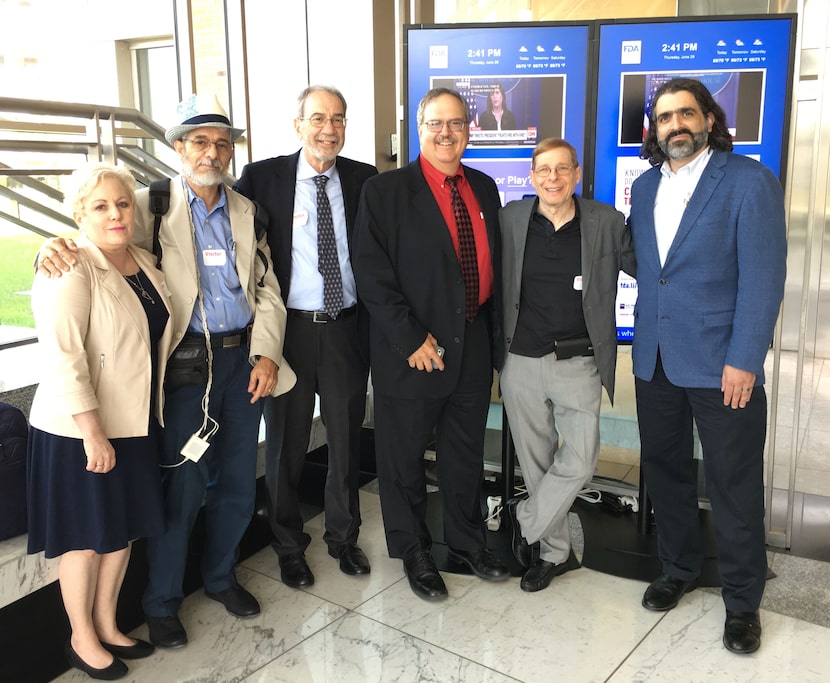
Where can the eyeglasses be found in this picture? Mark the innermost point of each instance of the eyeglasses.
(436, 125)
(318, 120)
(202, 144)
(561, 170)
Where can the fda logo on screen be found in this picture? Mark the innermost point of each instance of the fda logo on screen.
(439, 56)
(631, 51)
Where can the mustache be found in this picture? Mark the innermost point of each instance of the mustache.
(679, 131)
(213, 163)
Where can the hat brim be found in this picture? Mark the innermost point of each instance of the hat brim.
(177, 132)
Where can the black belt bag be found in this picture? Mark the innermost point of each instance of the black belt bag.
(188, 364)
(571, 348)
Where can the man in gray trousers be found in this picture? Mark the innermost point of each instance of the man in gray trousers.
(561, 256)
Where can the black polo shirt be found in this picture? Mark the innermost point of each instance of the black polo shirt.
(550, 306)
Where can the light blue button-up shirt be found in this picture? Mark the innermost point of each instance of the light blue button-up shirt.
(226, 306)
(306, 291)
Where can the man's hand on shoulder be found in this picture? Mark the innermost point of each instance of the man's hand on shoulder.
(57, 256)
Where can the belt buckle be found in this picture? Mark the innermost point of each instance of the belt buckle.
(232, 341)
(315, 319)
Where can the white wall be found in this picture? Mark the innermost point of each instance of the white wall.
(286, 52)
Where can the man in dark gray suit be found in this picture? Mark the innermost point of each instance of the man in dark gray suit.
(561, 258)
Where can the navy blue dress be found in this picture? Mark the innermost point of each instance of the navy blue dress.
(73, 509)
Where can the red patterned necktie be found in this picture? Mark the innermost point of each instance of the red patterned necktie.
(328, 262)
(466, 248)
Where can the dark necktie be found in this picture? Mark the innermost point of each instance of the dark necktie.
(328, 262)
(466, 248)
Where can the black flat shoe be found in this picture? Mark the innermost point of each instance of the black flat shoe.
(742, 632)
(480, 562)
(139, 650)
(239, 602)
(353, 560)
(295, 572)
(665, 592)
(166, 632)
(424, 579)
(112, 672)
(540, 574)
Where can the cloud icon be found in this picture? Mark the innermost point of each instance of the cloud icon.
(721, 43)
(557, 48)
(757, 41)
(739, 42)
(522, 49)
(539, 48)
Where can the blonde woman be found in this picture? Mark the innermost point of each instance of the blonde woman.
(94, 485)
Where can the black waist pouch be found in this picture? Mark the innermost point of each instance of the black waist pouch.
(570, 348)
(187, 365)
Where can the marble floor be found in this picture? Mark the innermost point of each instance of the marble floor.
(586, 626)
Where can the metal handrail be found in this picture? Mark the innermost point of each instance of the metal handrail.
(91, 130)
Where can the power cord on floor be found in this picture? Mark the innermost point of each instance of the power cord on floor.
(610, 501)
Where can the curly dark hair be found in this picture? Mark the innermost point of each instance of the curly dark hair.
(719, 138)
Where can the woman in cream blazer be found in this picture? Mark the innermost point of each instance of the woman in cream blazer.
(105, 333)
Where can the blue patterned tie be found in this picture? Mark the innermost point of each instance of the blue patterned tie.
(328, 262)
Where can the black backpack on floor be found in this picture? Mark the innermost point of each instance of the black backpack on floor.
(14, 433)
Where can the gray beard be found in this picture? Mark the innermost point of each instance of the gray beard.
(209, 179)
(685, 149)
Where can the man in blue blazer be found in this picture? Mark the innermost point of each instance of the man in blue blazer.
(710, 239)
(329, 353)
(562, 255)
(410, 270)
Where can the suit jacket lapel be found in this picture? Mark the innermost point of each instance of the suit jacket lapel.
(706, 186)
(240, 216)
(425, 204)
(518, 233)
(589, 233)
(178, 225)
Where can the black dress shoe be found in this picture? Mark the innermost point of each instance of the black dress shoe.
(540, 575)
(139, 650)
(424, 579)
(481, 562)
(112, 672)
(239, 602)
(353, 560)
(166, 632)
(522, 550)
(665, 592)
(742, 632)
(295, 572)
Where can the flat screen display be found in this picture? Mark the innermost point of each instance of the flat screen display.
(539, 71)
(745, 62)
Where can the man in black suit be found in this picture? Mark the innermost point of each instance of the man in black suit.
(327, 345)
(427, 239)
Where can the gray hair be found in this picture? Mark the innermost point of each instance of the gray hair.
(310, 90)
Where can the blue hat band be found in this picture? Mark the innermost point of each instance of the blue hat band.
(204, 119)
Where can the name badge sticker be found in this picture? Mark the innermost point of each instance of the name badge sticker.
(300, 219)
(214, 257)
(578, 283)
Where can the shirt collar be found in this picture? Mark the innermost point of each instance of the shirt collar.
(694, 167)
(221, 204)
(305, 171)
(433, 174)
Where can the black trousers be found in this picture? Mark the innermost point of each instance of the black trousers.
(403, 429)
(328, 361)
(733, 460)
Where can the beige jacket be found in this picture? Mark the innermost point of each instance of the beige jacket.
(94, 350)
(179, 265)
